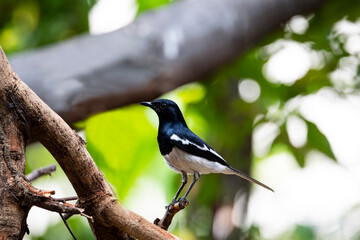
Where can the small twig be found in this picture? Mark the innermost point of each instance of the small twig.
(41, 172)
(165, 222)
(65, 199)
(69, 215)
(87, 216)
(32, 192)
(67, 226)
(55, 206)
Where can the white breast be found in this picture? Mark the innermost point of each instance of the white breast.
(178, 160)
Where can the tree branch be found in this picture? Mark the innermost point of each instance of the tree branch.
(12, 165)
(41, 172)
(153, 55)
(110, 219)
(65, 199)
(56, 206)
(165, 222)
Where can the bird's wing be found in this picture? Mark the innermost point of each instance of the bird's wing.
(191, 143)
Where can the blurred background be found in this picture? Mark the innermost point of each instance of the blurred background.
(287, 112)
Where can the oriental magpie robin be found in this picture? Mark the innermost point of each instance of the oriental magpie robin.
(184, 151)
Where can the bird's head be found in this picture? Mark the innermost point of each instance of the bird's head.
(166, 110)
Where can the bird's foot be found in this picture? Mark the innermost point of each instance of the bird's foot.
(170, 205)
(183, 202)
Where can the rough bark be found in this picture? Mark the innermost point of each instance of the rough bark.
(152, 56)
(12, 161)
(23, 116)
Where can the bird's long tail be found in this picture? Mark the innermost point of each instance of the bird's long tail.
(250, 179)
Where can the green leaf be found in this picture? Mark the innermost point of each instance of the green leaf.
(299, 155)
(122, 143)
(37, 156)
(318, 141)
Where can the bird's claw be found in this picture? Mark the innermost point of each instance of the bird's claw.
(183, 202)
(171, 204)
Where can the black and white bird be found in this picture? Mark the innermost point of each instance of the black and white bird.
(184, 151)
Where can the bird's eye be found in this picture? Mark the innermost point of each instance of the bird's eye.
(163, 105)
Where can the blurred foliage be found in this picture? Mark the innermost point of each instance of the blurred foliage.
(146, 5)
(114, 139)
(321, 38)
(123, 142)
(33, 23)
(303, 233)
(79, 227)
(300, 232)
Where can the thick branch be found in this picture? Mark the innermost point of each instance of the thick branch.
(110, 219)
(12, 165)
(155, 54)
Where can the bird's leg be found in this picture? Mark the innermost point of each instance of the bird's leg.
(196, 177)
(183, 182)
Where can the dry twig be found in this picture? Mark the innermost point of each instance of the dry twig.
(165, 222)
(66, 199)
(37, 173)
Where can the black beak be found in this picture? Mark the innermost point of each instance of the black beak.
(147, 104)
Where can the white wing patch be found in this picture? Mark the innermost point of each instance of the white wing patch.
(213, 152)
(187, 142)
